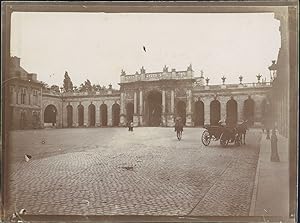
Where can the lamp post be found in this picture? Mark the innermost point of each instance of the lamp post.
(273, 70)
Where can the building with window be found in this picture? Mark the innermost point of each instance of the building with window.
(25, 97)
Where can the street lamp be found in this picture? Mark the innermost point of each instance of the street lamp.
(273, 70)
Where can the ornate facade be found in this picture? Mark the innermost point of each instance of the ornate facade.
(155, 99)
(25, 97)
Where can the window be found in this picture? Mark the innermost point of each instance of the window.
(11, 93)
(35, 97)
(23, 95)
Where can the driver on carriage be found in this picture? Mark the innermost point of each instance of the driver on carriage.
(178, 124)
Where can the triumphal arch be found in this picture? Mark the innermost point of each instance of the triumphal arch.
(157, 98)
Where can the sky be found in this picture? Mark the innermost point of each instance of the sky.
(97, 46)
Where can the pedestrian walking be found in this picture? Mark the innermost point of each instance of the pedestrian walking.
(130, 126)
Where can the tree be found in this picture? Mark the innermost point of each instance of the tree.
(55, 88)
(44, 85)
(75, 89)
(96, 87)
(86, 86)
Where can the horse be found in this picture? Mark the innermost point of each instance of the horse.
(241, 131)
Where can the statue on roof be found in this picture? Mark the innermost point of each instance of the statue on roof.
(190, 68)
(68, 85)
(123, 73)
(165, 69)
(143, 70)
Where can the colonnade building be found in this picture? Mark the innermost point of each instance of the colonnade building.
(147, 99)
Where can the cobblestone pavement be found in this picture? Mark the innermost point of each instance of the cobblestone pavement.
(110, 171)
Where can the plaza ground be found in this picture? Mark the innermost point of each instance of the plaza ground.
(111, 171)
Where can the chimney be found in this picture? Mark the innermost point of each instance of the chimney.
(15, 61)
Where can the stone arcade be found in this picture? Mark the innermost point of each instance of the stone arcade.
(148, 99)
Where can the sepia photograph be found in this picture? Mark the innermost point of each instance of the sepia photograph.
(149, 112)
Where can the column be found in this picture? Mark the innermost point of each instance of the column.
(135, 103)
(85, 114)
(206, 102)
(60, 115)
(172, 101)
(240, 108)
(223, 102)
(135, 115)
(141, 104)
(170, 117)
(97, 111)
(122, 110)
(163, 94)
(189, 109)
(75, 114)
(163, 115)
(109, 114)
(64, 115)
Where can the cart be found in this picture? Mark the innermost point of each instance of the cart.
(226, 134)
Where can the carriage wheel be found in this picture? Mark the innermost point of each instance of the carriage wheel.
(206, 138)
(223, 140)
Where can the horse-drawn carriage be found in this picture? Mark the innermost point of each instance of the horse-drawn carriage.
(226, 134)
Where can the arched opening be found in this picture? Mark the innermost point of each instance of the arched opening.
(129, 111)
(23, 120)
(154, 105)
(103, 115)
(215, 112)
(92, 115)
(115, 114)
(50, 115)
(80, 115)
(231, 112)
(198, 113)
(69, 116)
(181, 111)
(249, 106)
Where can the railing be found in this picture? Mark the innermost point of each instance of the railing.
(157, 76)
(70, 94)
(229, 86)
